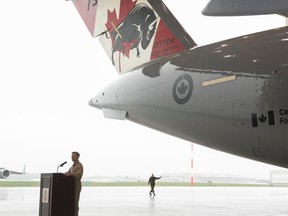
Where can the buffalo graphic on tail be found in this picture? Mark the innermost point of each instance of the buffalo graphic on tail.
(137, 28)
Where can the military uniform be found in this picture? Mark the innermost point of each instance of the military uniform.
(76, 170)
(151, 182)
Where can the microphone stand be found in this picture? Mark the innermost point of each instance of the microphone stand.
(58, 168)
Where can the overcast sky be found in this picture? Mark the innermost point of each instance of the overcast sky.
(50, 67)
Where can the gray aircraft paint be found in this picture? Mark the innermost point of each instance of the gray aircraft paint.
(245, 7)
(237, 102)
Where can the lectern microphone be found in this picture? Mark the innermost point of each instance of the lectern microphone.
(61, 165)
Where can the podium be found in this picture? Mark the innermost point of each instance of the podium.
(57, 195)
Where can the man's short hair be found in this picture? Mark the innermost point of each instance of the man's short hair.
(78, 155)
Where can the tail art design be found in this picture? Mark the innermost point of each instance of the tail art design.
(134, 32)
(137, 28)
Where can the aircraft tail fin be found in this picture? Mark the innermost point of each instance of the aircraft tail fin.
(134, 32)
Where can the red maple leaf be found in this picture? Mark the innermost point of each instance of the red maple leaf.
(113, 21)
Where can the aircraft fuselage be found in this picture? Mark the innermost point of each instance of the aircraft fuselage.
(230, 96)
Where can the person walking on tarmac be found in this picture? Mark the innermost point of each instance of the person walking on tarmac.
(151, 182)
(76, 171)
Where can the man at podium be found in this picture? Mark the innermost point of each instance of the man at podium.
(76, 170)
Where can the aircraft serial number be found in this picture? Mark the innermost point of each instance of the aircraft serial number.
(163, 43)
(93, 2)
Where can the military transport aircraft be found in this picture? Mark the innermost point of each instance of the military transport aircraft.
(5, 173)
(231, 95)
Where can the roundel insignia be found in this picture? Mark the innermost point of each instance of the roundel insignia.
(182, 89)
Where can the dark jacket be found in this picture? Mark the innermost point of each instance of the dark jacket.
(152, 180)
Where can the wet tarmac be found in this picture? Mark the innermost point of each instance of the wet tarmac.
(169, 201)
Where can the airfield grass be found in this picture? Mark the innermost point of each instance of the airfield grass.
(138, 184)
